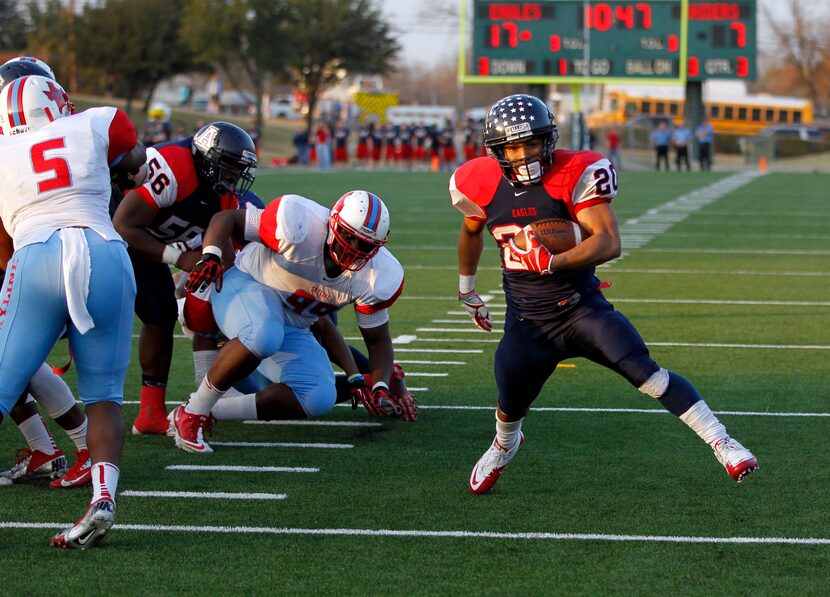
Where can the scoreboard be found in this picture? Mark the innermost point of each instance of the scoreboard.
(548, 41)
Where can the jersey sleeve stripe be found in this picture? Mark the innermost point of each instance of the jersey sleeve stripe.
(147, 197)
(374, 308)
(268, 225)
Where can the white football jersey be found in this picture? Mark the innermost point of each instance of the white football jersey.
(293, 230)
(58, 177)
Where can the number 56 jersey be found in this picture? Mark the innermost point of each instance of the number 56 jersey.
(58, 176)
(575, 180)
(289, 257)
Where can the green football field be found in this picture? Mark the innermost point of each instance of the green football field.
(726, 278)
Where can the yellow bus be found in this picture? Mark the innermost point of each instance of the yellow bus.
(742, 115)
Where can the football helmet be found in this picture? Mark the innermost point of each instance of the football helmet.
(225, 158)
(358, 228)
(30, 103)
(516, 119)
(14, 69)
(32, 60)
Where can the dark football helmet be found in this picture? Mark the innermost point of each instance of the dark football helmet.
(19, 68)
(225, 158)
(516, 119)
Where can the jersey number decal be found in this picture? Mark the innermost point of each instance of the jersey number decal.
(302, 301)
(59, 166)
(175, 229)
(502, 234)
(160, 182)
(606, 180)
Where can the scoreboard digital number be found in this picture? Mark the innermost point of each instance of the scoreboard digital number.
(627, 40)
(722, 40)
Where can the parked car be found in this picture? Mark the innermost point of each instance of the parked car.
(792, 131)
(283, 108)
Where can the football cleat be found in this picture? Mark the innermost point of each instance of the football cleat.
(737, 460)
(79, 475)
(189, 430)
(34, 463)
(488, 468)
(151, 421)
(91, 529)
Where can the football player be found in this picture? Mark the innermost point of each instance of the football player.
(307, 261)
(70, 268)
(555, 309)
(42, 456)
(188, 181)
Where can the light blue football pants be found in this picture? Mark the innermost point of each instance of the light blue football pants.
(253, 313)
(34, 312)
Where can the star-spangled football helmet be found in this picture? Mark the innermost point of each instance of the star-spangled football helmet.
(14, 69)
(358, 228)
(515, 119)
(225, 158)
(30, 103)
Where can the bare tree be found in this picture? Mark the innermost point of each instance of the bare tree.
(801, 41)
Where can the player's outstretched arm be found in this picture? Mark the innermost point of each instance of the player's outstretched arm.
(470, 246)
(131, 220)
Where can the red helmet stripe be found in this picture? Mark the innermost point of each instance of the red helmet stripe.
(21, 115)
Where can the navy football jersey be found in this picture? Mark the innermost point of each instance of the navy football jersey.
(576, 180)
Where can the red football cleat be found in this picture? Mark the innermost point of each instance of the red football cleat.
(80, 475)
(189, 430)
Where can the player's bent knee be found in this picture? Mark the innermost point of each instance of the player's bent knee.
(319, 401)
(680, 395)
(263, 341)
(656, 385)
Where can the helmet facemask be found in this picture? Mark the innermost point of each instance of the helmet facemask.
(358, 228)
(528, 169)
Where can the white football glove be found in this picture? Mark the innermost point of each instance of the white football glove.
(477, 310)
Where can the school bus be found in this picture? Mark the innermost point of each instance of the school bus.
(744, 115)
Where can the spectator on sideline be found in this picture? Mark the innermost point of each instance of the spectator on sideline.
(322, 146)
(705, 137)
(613, 141)
(660, 138)
(680, 138)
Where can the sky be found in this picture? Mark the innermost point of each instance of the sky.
(431, 40)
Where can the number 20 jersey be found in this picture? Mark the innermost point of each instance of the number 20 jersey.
(576, 180)
(289, 257)
(58, 176)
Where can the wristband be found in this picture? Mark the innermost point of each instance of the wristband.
(170, 255)
(466, 284)
(380, 384)
(356, 378)
(212, 250)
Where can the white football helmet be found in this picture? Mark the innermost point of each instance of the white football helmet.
(358, 228)
(34, 60)
(30, 103)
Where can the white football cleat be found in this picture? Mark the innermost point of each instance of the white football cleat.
(34, 463)
(488, 468)
(737, 460)
(91, 529)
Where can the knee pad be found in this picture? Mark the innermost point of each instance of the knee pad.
(318, 401)
(263, 341)
(656, 385)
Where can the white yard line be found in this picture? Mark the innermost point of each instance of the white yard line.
(431, 534)
(311, 446)
(638, 411)
(240, 469)
(406, 362)
(315, 423)
(704, 272)
(203, 495)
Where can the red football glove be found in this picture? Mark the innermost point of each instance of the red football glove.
(535, 257)
(360, 392)
(477, 310)
(207, 271)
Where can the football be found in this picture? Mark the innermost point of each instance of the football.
(556, 235)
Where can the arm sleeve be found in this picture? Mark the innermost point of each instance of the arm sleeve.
(371, 320)
(253, 219)
(122, 136)
(598, 184)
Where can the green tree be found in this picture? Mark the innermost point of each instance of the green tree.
(333, 38)
(135, 43)
(14, 31)
(247, 37)
(49, 39)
